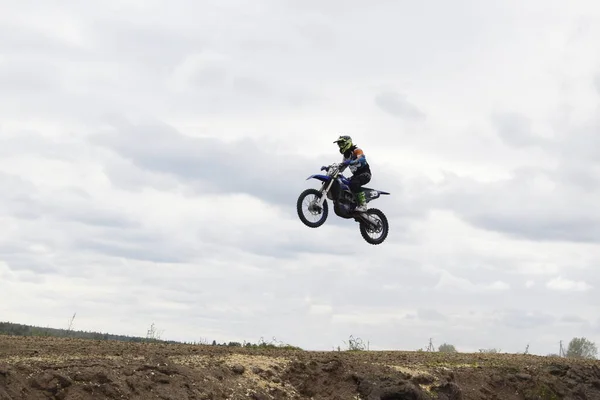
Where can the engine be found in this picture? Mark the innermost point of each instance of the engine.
(342, 210)
(346, 197)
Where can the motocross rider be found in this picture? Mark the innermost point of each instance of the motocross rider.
(361, 172)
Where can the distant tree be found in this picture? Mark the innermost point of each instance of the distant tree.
(70, 326)
(447, 348)
(582, 348)
(152, 333)
(356, 344)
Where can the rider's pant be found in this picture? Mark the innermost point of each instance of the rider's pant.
(356, 181)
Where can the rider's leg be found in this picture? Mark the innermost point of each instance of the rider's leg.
(355, 186)
(362, 201)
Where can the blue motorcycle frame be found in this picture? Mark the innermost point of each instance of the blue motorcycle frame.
(336, 187)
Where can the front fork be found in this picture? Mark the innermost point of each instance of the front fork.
(324, 190)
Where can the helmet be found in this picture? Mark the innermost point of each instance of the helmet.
(344, 143)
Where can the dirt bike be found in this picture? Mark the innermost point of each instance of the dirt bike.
(336, 187)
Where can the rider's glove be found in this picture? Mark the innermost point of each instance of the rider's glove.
(324, 168)
(346, 162)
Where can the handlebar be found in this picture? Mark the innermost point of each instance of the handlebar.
(340, 167)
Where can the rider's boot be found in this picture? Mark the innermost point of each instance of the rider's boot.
(362, 202)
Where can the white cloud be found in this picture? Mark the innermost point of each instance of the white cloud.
(152, 153)
(563, 284)
(449, 282)
(320, 309)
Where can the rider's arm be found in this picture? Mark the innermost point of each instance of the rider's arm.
(360, 158)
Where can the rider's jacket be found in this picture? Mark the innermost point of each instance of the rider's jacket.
(353, 153)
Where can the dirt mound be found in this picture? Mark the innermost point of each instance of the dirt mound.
(57, 368)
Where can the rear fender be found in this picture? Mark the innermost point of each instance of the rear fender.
(372, 194)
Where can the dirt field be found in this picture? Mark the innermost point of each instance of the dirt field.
(56, 368)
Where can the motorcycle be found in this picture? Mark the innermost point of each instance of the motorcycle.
(336, 187)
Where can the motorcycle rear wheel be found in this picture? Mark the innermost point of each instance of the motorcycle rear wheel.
(382, 229)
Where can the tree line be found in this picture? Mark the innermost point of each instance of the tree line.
(10, 328)
(579, 347)
(152, 335)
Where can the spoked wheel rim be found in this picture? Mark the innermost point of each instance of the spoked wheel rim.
(309, 203)
(375, 232)
(378, 232)
(309, 213)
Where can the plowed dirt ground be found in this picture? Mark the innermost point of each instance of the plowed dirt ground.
(63, 368)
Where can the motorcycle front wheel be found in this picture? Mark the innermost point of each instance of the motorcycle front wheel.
(318, 215)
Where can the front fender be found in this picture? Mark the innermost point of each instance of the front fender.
(320, 177)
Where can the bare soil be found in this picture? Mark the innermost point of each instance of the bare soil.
(64, 368)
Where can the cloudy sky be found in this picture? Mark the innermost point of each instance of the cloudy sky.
(151, 154)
